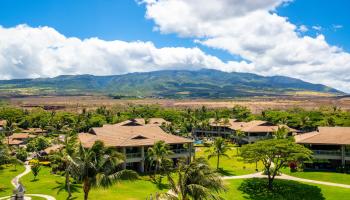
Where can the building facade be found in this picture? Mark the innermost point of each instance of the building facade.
(330, 145)
(133, 138)
(241, 132)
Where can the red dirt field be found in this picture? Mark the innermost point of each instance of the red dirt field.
(257, 104)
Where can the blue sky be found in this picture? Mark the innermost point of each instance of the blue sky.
(125, 20)
(305, 39)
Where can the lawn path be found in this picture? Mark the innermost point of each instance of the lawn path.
(15, 183)
(287, 177)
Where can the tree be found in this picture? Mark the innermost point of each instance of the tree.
(274, 154)
(9, 128)
(281, 132)
(63, 159)
(158, 154)
(38, 144)
(35, 169)
(97, 167)
(5, 156)
(21, 154)
(219, 148)
(194, 181)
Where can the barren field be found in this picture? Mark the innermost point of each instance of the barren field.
(76, 103)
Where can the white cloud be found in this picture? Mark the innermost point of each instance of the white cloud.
(317, 28)
(27, 52)
(252, 30)
(303, 28)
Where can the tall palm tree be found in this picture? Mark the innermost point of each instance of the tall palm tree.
(219, 148)
(194, 181)
(281, 132)
(9, 128)
(66, 157)
(97, 167)
(158, 154)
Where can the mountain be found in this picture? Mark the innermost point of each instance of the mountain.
(205, 83)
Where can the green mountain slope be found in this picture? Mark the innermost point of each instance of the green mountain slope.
(203, 83)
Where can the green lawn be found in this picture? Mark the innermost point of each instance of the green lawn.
(333, 177)
(253, 189)
(50, 184)
(7, 173)
(231, 166)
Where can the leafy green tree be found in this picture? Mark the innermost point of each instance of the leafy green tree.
(218, 149)
(21, 154)
(97, 167)
(5, 156)
(241, 113)
(274, 154)
(35, 168)
(158, 154)
(194, 181)
(38, 144)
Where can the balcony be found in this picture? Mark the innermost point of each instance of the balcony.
(328, 152)
(180, 151)
(133, 155)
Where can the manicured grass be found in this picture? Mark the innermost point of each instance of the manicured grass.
(231, 166)
(50, 184)
(7, 173)
(253, 189)
(327, 176)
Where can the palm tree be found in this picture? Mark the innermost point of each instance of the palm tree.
(66, 156)
(97, 167)
(158, 154)
(9, 128)
(219, 148)
(281, 132)
(194, 181)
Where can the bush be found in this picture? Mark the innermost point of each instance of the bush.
(21, 154)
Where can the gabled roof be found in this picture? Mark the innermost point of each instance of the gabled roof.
(258, 126)
(53, 148)
(121, 135)
(221, 122)
(15, 142)
(21, 136)
(326, 135)
(33, 130)
(141, 122)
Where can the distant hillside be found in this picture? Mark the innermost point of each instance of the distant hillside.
(203, 83)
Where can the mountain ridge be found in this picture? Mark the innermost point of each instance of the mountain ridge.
(203, 83)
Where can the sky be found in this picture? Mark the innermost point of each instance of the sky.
(308, 40)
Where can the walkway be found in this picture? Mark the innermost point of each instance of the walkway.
(15, 183)
(286, 177)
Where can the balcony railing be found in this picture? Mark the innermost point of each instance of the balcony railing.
(133, 155)
(178, 151)
(327, 152)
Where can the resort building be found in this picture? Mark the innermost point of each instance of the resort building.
(329, 144)
(241, 132)
(134, 137)
(19, 139)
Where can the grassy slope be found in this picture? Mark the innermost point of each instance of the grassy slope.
(333, 177)
(231, 166)
(49, 184)
(328, 192)
(7, 173)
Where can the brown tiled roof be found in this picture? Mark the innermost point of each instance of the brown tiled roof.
(326, 135)
(15, 142)
(120, 136)
(53, 148)
(257, 126)
(141, 122)
(21, 136)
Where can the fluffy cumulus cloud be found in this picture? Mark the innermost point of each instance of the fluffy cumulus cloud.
(253, 30)
(27, 52)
